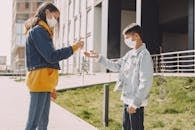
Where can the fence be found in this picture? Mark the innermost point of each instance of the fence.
(174, 62)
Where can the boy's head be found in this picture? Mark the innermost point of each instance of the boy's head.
(132, 35)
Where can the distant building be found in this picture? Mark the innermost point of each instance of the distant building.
(167, 24)
(21, 11)
(3, 61)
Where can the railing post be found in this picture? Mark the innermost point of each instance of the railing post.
(156, 64)
(177, 62)
(162, 68)
(194, 61)
(106, 105)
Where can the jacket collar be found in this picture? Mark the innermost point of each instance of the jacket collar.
(46, 27)
(137, 51)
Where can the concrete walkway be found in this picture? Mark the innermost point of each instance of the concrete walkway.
(75, 81)
(14, 103)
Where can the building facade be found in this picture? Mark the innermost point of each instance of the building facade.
(167, 27)
(100, 23)
(21, 11)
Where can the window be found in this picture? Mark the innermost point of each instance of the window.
(18, 6)
(89, 21)
(76, 29)
(71, 10)
(71, 36)
(77, 7)
(27, 5)
(20, 37)
(22, 17)
(89, 43)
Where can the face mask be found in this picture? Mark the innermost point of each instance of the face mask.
(51, 22)
(130, 43)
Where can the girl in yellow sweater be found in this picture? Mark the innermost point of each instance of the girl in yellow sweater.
(43, 63)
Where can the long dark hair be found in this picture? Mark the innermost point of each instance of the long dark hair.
(40, 14)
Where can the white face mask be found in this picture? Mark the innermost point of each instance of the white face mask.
(130, 43)
(51, 22)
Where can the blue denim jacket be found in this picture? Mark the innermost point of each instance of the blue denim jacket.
(40, 51)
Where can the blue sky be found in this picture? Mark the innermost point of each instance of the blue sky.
(5, 28)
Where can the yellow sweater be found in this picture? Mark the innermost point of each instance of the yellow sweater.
(42, 80)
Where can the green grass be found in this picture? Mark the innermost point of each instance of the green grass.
(171, 105)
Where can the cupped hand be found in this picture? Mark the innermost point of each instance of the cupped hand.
(91, 54)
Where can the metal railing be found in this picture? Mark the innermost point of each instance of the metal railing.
(174, 62)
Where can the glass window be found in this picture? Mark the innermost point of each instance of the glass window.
(18, 28)
(77, 27)
(18, 6)
(20, 37)
(83, 5)
(71, 32)
(22, 17)
(89, 21)
(77, 6)
(23, 40)
(83, 26)
(89, 43)
(70, 10)
(27, 5)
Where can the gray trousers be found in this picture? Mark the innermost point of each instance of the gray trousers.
(133, 121)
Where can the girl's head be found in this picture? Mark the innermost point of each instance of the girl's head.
(47, 12)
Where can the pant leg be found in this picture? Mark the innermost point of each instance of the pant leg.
(137, 119)
(126, 120)
(44, 119)
(37, 105)
(133, 121)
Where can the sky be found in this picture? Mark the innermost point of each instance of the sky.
(5, 28)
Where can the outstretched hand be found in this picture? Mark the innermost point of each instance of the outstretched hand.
(91, 54)
(80, 43)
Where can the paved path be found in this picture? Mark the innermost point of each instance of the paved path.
(72, 81)
(14, 104)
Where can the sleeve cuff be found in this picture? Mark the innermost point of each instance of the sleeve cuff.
(75, 48)
(99, 58)
(132, 105)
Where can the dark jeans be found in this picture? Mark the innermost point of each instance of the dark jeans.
(133, 121)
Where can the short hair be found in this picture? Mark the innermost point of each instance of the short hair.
(133, 28)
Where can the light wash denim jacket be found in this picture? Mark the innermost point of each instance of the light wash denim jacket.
(135, 75)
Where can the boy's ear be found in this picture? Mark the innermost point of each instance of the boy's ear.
(137, 36)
